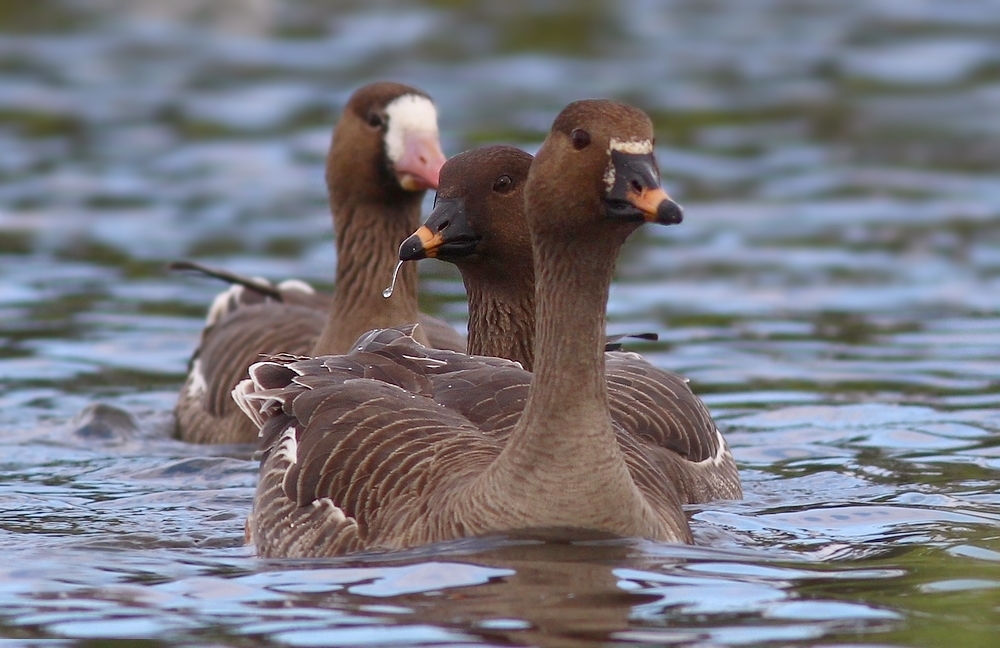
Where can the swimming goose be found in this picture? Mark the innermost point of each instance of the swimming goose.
(362, 452)
(478, 223)
(383, 156)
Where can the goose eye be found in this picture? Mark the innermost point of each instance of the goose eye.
(503, 184)
(375, 120)
(580, 138)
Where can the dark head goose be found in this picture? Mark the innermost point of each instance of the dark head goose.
(361, 451)
(383, 156)
(479, 224)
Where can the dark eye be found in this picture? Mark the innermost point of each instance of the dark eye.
(581, 138)
(503, 184)
(375, 120)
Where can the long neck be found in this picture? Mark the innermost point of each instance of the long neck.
(368, 236)
(572, 296)
(562, 465)
(502, 315)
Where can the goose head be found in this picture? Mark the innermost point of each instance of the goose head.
(597, 168)
(385, 145)
(478, 218)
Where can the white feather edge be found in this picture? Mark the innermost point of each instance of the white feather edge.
(196, 383)
(288, 446)
(223, 304)
(252, 399)
(297, 285)
(229, 299)
(242, 394)
(720, 455)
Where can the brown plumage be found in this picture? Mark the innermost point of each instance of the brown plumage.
(383, 156)
(374, 449)
(479, 224)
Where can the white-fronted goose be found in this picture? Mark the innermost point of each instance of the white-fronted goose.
(383, 156)
(479, 224)
(363, 452)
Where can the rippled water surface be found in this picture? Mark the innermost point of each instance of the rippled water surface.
(834, 294)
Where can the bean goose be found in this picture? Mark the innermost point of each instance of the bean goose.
(362, 452)
(479, 224)
(383, 156)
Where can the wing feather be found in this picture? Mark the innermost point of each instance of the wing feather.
(385, 438)
(373, 449)
(658, 408)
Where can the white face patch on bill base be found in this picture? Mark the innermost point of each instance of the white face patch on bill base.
(633, 147)
(408, 114)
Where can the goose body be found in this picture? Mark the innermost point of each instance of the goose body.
(478, 223)
(383, 156)
(395, 444)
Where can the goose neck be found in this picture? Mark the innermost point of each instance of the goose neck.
(367, 240)
(502, 317)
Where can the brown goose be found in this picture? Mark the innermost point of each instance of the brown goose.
(479, 224)
(383, 156)
(361, 451)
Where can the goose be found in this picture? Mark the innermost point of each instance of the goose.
(478, 223)
(383, 156)
(361, 452)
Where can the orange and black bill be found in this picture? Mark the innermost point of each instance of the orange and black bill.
(447, 234)
(635, 192)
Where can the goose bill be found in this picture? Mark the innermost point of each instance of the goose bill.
(420, 165)
(634, 191)
(446, 234)
(422, 244)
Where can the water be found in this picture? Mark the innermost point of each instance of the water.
(834, 293)
(387, 293)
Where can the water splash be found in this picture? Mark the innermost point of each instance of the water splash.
(387, 293)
